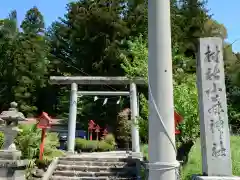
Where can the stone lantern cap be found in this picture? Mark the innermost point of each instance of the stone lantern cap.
(12, 114)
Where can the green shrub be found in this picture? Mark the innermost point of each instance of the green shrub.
(28, 141)
(110, 139)
(143, 119)
(1, 139)
(104, 146)
(80, 144)
(50, 148)
(123, 131)
(94, 146)
(85, 145)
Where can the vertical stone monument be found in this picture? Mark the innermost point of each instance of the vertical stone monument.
(11, 166)
(215, 137)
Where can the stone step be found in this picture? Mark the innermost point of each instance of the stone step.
(61, 167)
(88, 178)
(107, 152)
(97, 163)
(97, 159)
(120, 153)
(91, 174)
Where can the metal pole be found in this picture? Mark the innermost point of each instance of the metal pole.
(134, 114)
(161, 151)
(72, 118)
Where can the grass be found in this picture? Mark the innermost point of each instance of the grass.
(194, 165)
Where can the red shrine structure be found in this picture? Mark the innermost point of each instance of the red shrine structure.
(44, 124)
(91, 127)
(178, 119)
(97, 131)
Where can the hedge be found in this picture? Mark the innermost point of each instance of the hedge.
(106, 144)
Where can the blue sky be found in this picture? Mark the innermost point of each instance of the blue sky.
(225, 11)
(51, 9)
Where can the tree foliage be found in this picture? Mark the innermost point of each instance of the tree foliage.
(26, 59)
(90, 35)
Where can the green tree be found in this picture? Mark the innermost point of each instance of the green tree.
(231, 62)
(214, 28)
(192, 18)
(188, 22)
(33, 23)
(89, 37)
(30, 62)
(137, 18)
(230, 59)
(89, 41)
(233, 96)
(8, 36)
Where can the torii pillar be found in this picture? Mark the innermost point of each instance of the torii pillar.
(134, 115)
(72, 118)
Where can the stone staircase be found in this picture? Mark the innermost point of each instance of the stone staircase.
(98, 166)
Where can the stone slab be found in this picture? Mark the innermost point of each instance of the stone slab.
(214, 130)
(19, 175)
(10, 133)
(13, 163)
(11, 174)
(10, 154)
(4, 173)
(215, 178)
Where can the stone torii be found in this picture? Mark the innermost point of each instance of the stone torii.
(98, 80)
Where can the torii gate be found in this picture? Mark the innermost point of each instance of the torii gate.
(98, 80)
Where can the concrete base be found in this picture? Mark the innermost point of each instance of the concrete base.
(11, 167)
(10, 154)
(12, 174)
(215, 178)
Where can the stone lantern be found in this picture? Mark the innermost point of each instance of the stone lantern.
(11, 165)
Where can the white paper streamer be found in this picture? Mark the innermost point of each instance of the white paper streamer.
(105, 101)
(95, 98)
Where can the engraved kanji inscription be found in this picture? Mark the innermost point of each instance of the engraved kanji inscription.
(216, 109)
(218, 152)
(219, 125)
(212, 93)
(212, 128)
(212, 56)
(216, 125)
(221, 134)
(213, 74)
